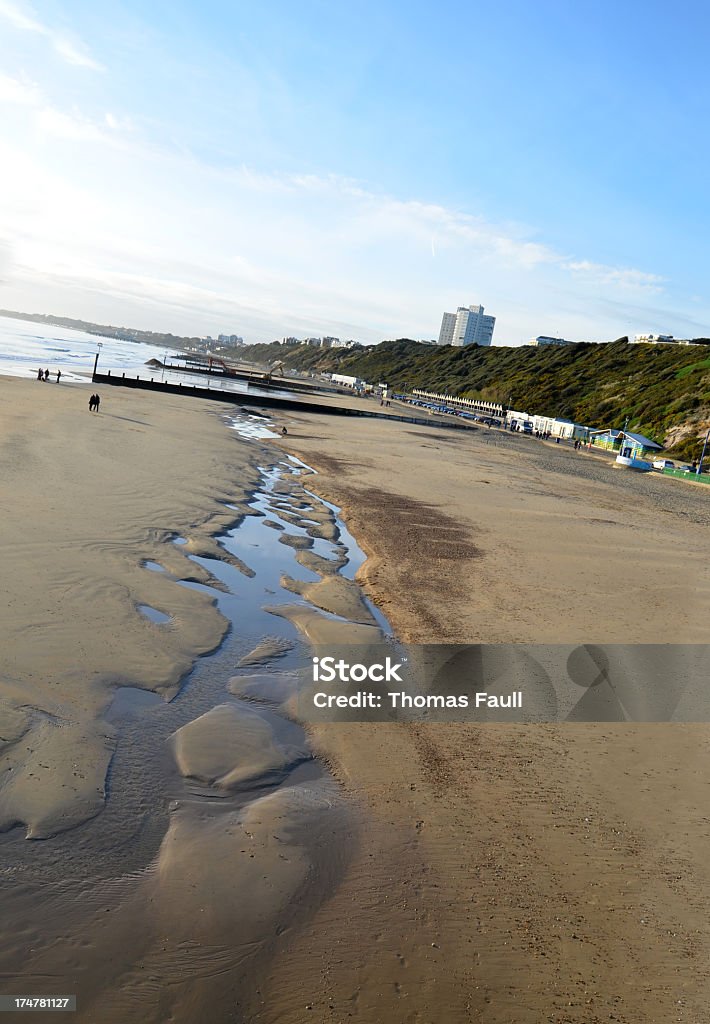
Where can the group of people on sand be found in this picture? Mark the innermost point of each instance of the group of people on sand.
(44, 374)
(94, 403)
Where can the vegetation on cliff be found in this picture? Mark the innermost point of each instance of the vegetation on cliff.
(662, 391)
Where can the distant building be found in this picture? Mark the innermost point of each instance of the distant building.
(313, 342)
(558, 427)
(544, 339)
(653, 339)
(327, 342)
(337, 343)
(347, 381)
(662, 339)
(230, 339)
(467, 326)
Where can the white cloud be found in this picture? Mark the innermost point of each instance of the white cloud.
(185, 246)
(19, 91)
(624, 277)
(72, 51)
(68, 126)
(19, 18)
(63, 124)
(117, 124)
(435, 226)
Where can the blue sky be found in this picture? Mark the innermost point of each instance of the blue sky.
(356, 169)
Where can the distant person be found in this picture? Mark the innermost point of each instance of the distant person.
(91, 403)
(284, 432)
(59, 375)
(46, 374)
(97, 402)
(40, 375)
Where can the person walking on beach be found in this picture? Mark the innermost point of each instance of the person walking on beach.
(46, 374)
(91, 403)
(59, 375)
(40, 375)
(97, 402)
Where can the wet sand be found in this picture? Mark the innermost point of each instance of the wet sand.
(171, 844)
(87, 499)
(435, 874)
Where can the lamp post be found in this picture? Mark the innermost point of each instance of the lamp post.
(699, 470)
(99, 346)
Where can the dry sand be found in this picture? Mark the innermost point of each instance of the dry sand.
(500, 874)
(546, 873)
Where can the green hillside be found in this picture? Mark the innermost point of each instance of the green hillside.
(663, 390)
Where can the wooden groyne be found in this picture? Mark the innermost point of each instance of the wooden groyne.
(255, 377)
(264, 401)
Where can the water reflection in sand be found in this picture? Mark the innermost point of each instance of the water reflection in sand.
(220, 829)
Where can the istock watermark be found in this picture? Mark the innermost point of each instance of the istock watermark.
(329, 669)
(515, 683)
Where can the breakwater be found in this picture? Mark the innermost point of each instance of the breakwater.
(266, 401)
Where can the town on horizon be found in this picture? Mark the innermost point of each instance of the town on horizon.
(469, 325)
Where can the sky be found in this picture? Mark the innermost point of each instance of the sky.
(356, 169)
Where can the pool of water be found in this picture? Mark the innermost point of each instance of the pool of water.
(160, 618)
(143, 778)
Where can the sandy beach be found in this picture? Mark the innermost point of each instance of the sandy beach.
(87, 498)
(169, 843)
(514, 873)
(428, 873)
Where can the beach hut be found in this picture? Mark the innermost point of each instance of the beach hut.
(632, 446)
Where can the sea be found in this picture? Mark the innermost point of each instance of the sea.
(25, 347)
